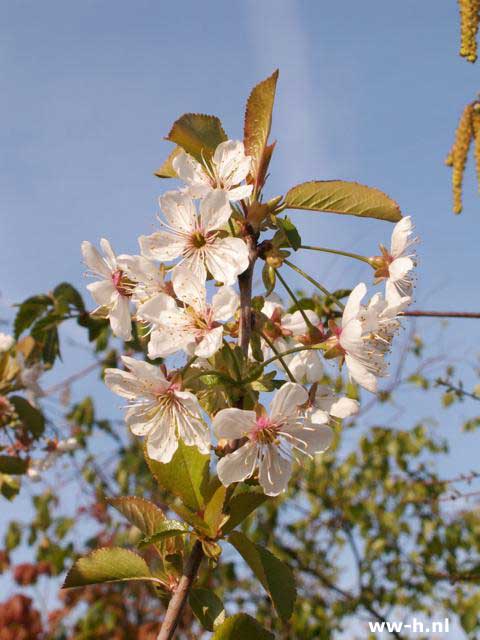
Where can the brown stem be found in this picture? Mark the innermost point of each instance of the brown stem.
(440, 314)
(245, 281)
(179, 598)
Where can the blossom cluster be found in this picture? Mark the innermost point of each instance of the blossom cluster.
(165, 288)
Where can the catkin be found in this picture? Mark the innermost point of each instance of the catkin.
(476, 137)
(469, 21)
(457, 157)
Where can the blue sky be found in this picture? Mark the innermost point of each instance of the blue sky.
(368, 91)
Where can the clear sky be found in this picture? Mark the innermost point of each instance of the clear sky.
(369, 91)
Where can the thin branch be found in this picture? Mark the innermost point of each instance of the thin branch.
(180, 596)
(440, 314)
(245, 281)
(319, 286)
(71, 379)
(337, 252)
(294, 299)
(279, 356)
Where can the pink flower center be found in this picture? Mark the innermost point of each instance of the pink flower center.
(121, 283)
(264, 431)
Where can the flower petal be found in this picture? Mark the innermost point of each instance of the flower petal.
(275, 471)
(162, 443)
(224, 304)
(94, 260)
(237, 466)
(103, 292)
(312, 438)
(190, 425)
(146, 372)
(400, 235)
(210, 343)
(120, 319)
(162, 245)
(214, 210)
(164, 342)
(226, 259)
(233, 423)
(344, 407)
(123, 383)
(190, 289)
(240, 193)
(110, 256)
(287, 400)
(189, 170)
(352, 308)
(360, 374)
(179, 211)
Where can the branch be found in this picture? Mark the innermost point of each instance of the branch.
(179, 598)
(245, 281)
(440, 314)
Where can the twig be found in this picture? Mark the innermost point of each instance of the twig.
(440, 314)
(179, 598)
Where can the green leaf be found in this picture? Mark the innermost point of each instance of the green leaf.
(268, 279)
(46, 333)
(241, 506)
(291, 234)
(207, 607)
(185, 476)
(167, 170)
(338, 196)
(241, 627)
(198, 134)
(12, 465)
(9, 487)
(111, 564)
(275, 577)
(214, 510)
(142, 513)
(192, 518)
(29, 311)
(166, 529)
(67, 294)
(30, 416)
(258, 122)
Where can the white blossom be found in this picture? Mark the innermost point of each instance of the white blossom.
(271, 441)
(151, 291)
(196, 326)
(158, 409)
(395, 266)
(113, 290)
(289, 331)
(198, 239)
(6, 342)
(365, 336)
(228, 168)
(326, 405)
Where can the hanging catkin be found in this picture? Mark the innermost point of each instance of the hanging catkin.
(469, 21)
(457, 156)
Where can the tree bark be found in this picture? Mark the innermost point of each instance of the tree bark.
(245, 282)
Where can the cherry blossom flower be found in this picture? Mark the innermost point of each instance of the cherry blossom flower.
(271, 441)
(158, 409)
(287, 331)
(196, 326)
(364, 361)
(113, 291)
(229, 167)
(197, 239)
(395, 265)
(151, 291)
(6, 342)
(327, 405)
